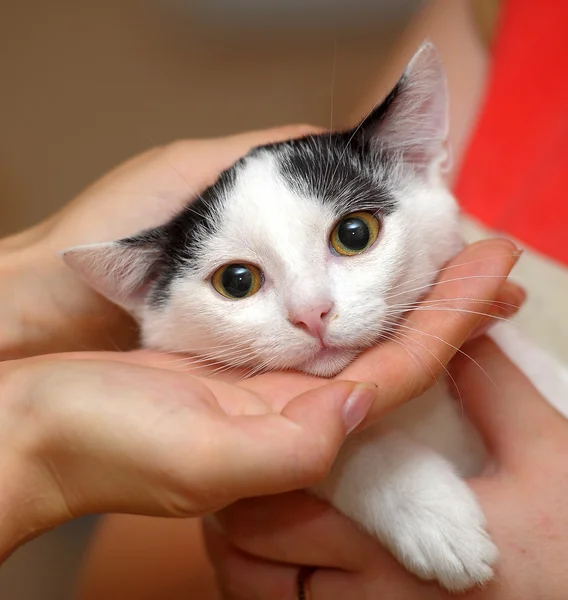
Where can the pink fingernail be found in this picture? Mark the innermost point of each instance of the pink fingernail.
(357, 405)
(517, 254)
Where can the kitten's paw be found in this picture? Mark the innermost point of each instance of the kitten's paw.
(446, 542)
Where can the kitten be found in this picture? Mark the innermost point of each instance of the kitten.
(300, 256)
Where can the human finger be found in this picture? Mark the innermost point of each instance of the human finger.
(295, 528)
(405, 368)
(165, 442)
(243, 577)
(272, 453)
(509, 300)
(148, 189)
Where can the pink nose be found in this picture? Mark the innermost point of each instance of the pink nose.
(312, 318)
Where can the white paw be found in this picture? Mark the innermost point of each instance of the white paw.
(446, 542)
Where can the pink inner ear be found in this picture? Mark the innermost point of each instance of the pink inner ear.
(121, 273)
(416, 122)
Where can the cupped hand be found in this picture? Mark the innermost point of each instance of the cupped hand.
(100, 435)
(45, 307)
(258, 545)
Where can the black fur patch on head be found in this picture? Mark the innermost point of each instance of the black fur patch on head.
(368, 128)
(348, 169)
(339, 168)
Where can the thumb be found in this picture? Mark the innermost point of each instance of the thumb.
(296, 448)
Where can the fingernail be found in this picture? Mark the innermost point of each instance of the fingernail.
(501, 312)
(517, 254)
(358, 404)
(507, 311)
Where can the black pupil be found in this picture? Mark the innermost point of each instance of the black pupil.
(237, 280)
(354, 233)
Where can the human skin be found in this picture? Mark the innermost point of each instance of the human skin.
(452, 28)
(100, 432)
(523, 500)
(402, 373)
(257, 545)
(149, 188)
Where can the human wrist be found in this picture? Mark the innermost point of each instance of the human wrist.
(29, 502)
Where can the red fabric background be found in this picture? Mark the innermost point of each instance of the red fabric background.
(515, 173)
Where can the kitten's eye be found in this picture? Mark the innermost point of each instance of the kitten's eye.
(355, 233)
(237, 281)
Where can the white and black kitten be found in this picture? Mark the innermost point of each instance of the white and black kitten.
(303, 254)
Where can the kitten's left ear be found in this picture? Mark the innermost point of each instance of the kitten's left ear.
(413, 120)
(123, 271)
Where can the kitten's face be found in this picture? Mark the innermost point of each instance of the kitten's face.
(301, 256)
(316, 308)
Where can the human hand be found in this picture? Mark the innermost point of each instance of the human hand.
(45, 307)
(82, 385)
(85, 434)
(257, 545)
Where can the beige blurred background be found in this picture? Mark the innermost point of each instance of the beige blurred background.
(87, 83)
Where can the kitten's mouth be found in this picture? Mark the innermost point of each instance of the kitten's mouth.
(327, 352)
(328, 361)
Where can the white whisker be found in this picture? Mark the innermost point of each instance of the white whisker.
(457, 350)
(447, 268)
(437, 360)
(444, 281)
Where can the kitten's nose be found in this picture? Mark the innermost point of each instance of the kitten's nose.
(312, 318)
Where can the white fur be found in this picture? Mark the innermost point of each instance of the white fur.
(412, 498)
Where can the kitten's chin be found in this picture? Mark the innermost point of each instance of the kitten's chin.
(327, 362)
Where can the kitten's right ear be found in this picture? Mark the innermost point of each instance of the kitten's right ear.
(121, 271)
(413, 120)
